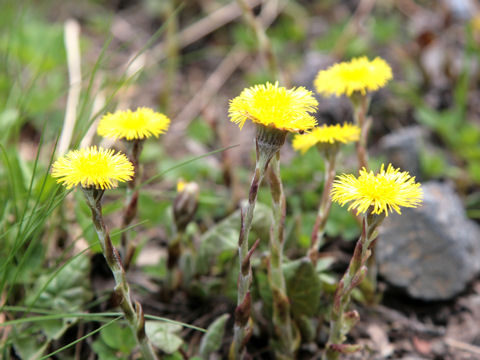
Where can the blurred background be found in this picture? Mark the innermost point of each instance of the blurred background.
(63, 64)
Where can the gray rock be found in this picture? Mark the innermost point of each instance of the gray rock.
(402, 148)
(431, 252)
(461, 9)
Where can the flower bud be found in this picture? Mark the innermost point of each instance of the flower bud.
(185, 204)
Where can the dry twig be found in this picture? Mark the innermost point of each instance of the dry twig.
(72, 46)
(463, 346)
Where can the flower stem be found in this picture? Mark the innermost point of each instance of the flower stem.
(325, 204)
(131, 205)
(242, 312)
(133, 311)
(369, 287)
(342, 321)
(174, 252)
(281, 304)
(268, 142)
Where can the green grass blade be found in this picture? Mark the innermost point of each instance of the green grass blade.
(6, 162)
(80, 339)
(52, 276)
(155, 177)
(33, 319)
(53, 315)
(193, 327)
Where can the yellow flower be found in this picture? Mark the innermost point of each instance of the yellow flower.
(181, 185)
(387, 191)
(475, 21)
(326, 134)
(92, 167)
(130, 125)
(272, 105)
(359, 74)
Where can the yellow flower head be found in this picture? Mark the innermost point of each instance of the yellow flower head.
(330, 134)
(272, 105)
(384, 192)
(181, 185)
(92, 167)
(359, 74)
(139, 124)
(475, 21)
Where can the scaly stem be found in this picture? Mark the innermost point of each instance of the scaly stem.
(242, 312)
(131, 205)
(268, 142)
(281, 304)
(133, 313)
(360, 105)
(325, 203)
(342, 321)
(174, 253)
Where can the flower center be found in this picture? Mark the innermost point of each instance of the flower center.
(94, 165)
(134, 121)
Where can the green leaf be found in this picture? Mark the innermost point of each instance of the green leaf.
(28, 347)
(303, 287)
(119, 338)
(341, 223)
(69, 290)
(163, 335)
(433, 164)
(48, 356)
(221, 240)
(474, 171)
(212, 340)
(104, 351)
(263, 287)
(200, 131)
(175, 356)
(55, 328)
(306, 327)
(324, 263)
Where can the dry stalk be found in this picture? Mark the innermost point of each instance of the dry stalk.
(72, 47)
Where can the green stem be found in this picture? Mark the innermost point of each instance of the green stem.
(281, 304)
(325, 203)
(242, 312)
(268, 142)
(133, 311)
(174, 253)
(360, 104)
(342, 321)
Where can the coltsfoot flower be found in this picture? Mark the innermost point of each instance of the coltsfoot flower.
(358, 75)
(92, 168)
(130, 125)
(385, 192)
(272, 105)
(328, 134)
(185, 203)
